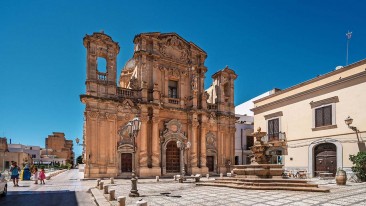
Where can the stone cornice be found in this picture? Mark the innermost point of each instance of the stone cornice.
(334, 99)
(276, 114)
(263, 108)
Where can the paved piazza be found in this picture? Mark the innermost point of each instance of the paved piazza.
(189, 194)
(180, 193)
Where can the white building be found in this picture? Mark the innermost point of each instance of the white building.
(311, 116)
(244, 129)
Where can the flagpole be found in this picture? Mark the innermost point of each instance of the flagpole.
(349, 35)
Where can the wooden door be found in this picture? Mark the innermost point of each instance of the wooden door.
(326, 158)
(172, 158)
(126, 162)
(210, 163)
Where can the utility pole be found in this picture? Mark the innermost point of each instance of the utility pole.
(349, 35)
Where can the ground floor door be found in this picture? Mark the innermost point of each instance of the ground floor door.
(172, 158)
(126, 162)
(210, 163)
(325, 158)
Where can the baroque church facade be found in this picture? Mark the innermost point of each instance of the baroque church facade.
(163, 85)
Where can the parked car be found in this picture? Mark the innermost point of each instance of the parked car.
(3, 185)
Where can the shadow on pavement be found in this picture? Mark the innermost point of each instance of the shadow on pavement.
(44, 198)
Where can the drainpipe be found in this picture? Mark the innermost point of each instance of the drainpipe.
(242, 146)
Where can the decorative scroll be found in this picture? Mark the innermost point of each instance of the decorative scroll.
(174, 48)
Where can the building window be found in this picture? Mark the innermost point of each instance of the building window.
(324, 113)
(323, 116)
(173, 89)
(273, 129)
(33, 156)
(250, 142)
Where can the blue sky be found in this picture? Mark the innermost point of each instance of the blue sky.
(268, 43)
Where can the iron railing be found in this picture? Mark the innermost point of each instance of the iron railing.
(281, 136)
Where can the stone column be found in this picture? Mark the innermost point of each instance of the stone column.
(193, 149)
(204, 168)
(143, 145)
(155, 170)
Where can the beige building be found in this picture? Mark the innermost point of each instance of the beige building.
(15, 152)
(311, 117)
(57, 146)
(163, 84)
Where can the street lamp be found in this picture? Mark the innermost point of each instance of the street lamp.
(77, 140)
(182, 146)
(348, 122)
(133, 128)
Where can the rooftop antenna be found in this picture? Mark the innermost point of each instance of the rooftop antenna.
(349, 35)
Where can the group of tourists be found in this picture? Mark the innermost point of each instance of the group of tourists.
(37, 175)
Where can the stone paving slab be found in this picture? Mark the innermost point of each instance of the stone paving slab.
(190, 194)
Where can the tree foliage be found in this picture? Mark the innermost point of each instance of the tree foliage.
(79, 159)
(359, 165)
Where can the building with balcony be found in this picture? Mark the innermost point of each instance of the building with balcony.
(310, 119)
(162, 84)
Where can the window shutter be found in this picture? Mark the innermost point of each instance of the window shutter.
(318, 117)
(276, 126)
(270, 127)
(327, 115)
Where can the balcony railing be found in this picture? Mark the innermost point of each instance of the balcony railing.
(212, 106)
(173, 101)
(127, 93)
(102, 76)
(281, 136)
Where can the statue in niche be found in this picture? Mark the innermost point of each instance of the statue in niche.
(133, 83)
(194, 82)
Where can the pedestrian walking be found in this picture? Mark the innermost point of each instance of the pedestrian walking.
(42, 176)
(35, 175)
(14, 169)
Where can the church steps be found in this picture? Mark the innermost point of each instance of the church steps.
(282, 184)
(292, 188)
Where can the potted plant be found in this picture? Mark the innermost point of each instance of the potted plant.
(341, 177)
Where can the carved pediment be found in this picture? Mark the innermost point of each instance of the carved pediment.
(174, 48)
(173, 131)
(210, 141)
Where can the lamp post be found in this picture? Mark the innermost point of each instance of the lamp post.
(348, 122)
(133, 128)
(182, 146)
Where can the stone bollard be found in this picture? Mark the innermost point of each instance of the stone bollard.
(221, 175)
(208, 176)
(112, 180)
(121, 201)
(141, 203)
(111, 195)
(157, 178)
(98, 181)
(105, 189)
(101, 185)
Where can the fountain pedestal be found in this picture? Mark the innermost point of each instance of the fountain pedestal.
(260, 167)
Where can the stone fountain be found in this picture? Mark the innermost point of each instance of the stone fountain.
(260, 175)
(260, 166)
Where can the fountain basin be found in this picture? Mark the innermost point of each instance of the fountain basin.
(259, 170)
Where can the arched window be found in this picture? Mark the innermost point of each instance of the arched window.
(101, 65)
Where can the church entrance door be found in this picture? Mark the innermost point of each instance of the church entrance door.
(172, 158)
(126, 162)
(210, 163)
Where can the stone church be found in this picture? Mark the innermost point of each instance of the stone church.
(163, 85)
